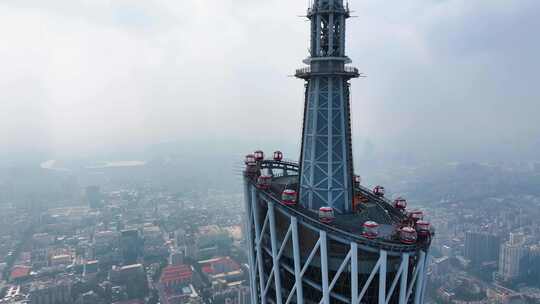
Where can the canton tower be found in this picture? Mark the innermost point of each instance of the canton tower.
(314, 234)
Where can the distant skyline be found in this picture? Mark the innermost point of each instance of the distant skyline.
(447, 80)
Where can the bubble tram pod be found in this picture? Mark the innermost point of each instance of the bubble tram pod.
(314, 233)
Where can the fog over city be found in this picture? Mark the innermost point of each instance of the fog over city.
(150, 151)
(447, 80)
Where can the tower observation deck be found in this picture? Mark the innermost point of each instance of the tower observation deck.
(314, 233)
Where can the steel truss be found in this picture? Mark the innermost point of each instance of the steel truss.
(408, 282)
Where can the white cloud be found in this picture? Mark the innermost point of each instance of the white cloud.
(94, 75)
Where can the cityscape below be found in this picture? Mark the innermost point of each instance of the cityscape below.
(154, 152)
(135, 241)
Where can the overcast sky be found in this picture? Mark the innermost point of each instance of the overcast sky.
(447, 79)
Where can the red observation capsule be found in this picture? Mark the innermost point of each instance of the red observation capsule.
(416, 215)
(249, 159)
(278, 156)
(288, 197)
(259, 155)
(264, 182)
(423, 228)
(379, 191)
(326, 215)
(370, 230)
(400, 203)
(407, 235)
(251, 164)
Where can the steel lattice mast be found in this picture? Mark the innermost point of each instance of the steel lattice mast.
(371, 250)
(326, 159)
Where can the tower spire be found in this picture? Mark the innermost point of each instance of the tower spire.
(326, 165)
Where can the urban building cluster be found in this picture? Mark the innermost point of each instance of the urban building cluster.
(125, 246)
(487, 245)
(129, 243)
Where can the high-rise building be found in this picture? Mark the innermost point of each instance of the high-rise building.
(314, 234)
(130, 245)
(534, 262)
(512, 257)
(481, 247)
(53, 292)
(133, 277)
(93, 197)
(176, 257)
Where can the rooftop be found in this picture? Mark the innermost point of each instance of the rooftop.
(219, 265)
(176, 273)
(19, 272)
(367, 207)
(373, 209)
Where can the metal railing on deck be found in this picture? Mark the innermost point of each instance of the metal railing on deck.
(383, 202)
(345, 70)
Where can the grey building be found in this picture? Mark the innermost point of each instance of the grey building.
(481, 247)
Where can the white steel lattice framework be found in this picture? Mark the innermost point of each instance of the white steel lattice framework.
(293, 257)
(275, 251)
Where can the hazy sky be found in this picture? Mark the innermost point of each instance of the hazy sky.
(447, 79)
